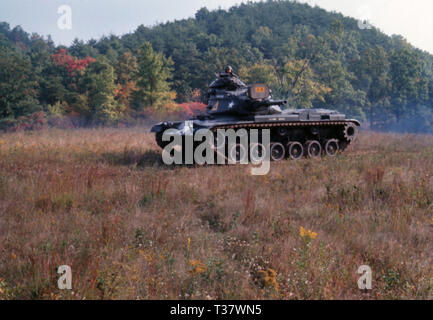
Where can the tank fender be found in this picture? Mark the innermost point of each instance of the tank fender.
(159, 127)
(356, 122)
(162, 126)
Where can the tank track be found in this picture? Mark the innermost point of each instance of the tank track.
(340, 136)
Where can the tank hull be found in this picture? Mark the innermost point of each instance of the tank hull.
(293, 126)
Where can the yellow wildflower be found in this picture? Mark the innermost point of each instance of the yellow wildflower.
(198, 266)
(302, 232)
(268, 278)
(188, 245)
(307, 234)
(2, 142)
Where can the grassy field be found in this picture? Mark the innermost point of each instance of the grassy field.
(130, 227)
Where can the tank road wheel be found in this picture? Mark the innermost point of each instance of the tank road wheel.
(295, 150)
(331, 147)
(238, 154)
(257, 152)
(283, 131)
(313, 149)
(278, 152)
(350, 131)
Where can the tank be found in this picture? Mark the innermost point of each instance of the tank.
(295, 133)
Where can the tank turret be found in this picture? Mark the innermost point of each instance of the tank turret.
(229, 95)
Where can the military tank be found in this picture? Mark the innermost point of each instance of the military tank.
(295, 133)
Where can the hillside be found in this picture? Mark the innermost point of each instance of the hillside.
(315, 57)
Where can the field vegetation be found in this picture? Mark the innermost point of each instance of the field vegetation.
(130, 227)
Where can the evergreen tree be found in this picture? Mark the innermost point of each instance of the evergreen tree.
(97, 93)
(154, 72)
(126, 71)
(18, 89)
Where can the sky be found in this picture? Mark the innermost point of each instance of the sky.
(95, 18)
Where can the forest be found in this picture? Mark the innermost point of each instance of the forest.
(312, 57)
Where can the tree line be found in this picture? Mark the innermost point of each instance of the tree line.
(307, 55)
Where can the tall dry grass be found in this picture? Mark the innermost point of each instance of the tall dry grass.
(130, 227)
